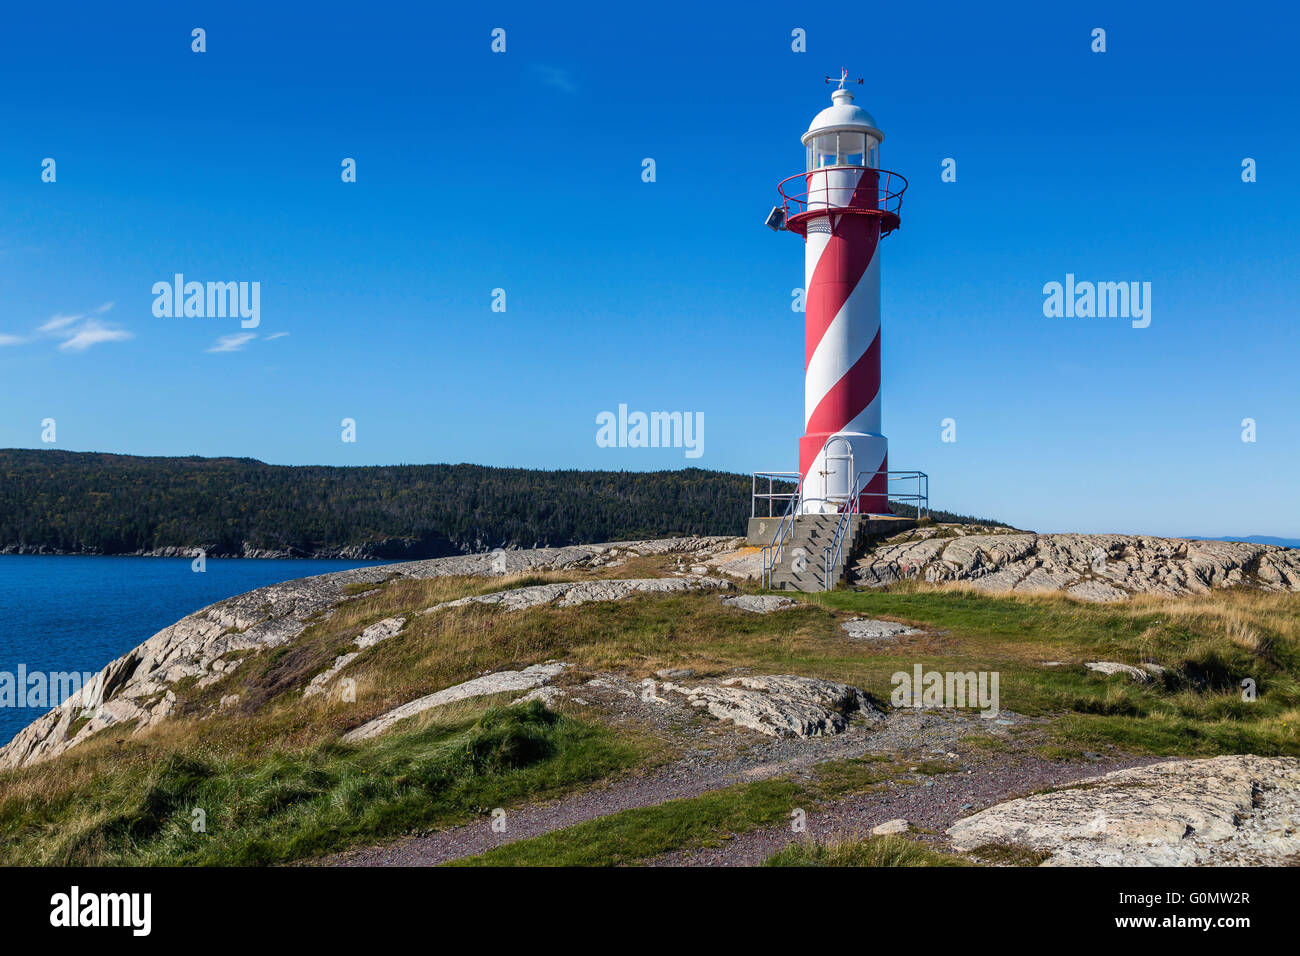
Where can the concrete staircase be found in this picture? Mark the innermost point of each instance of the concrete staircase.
(803, 570)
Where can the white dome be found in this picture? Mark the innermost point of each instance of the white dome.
(843, 115)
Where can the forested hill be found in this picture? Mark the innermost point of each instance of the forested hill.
(118, 504)
(86, 502)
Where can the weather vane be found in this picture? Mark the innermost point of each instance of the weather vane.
(844, 77)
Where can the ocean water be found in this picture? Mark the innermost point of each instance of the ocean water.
(64, 613)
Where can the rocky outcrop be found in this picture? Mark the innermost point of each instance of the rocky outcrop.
(866, 629)
(744, 564)
(1090, 567)
(1224, 811)
(139, 688)
(759, 603)
(381, 631)
(582, 592)
(1141, 674)
(782, 705)
(891, 827)
(501, 682)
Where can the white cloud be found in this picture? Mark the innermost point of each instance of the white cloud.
(233, 343)
(91, 333)
(78, 331)
(60, 322)
(276, 335)
(556, 77)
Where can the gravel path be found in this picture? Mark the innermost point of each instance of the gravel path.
(677, 780)
(719, 755)
(930, 805)
(715, 756)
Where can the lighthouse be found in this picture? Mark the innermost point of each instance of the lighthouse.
(842, 204)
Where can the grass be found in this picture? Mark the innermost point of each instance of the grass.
(276, 784)
(871, 851)
(1008, 854)
(289, 805)
(1208, 645)
(648, 831)
(691, 823)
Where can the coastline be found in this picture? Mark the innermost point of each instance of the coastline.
(382, 551)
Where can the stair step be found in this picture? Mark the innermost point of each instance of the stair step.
(814, 534)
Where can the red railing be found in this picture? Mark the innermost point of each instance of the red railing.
(816, 193)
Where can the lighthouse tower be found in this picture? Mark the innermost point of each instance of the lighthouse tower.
(843, 204)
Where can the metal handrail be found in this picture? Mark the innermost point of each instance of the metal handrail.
(922, 496)
(773, 552)
(848, 508)
(833, 552)
(841, 528)
(790, 477)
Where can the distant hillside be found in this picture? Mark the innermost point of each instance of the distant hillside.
(88, 502)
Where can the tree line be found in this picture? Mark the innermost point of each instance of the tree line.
(89, 502)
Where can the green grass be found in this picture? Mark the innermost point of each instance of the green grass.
(690, 823)
(277, 785)
(291, 805)
(1196, 709)
(1009, 854)
(648, 831)
(873, 851)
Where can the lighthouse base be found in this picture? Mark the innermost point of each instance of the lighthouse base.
(830, 464)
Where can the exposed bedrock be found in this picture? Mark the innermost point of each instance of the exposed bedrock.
(1091, 567)
(139, 687)
(1238, 810)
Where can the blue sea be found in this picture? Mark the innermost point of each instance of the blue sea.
(67, 613)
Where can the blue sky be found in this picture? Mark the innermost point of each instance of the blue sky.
(522, 171)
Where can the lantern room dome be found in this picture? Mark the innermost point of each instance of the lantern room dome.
(843, 115)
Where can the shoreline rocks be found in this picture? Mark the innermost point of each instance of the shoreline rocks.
(204, 647)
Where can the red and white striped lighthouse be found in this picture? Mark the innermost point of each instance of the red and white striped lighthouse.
(842, 204)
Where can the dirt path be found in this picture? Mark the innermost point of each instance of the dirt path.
(717, 757)
(932, 806)
(677, 780)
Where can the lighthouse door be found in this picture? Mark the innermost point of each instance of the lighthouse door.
(838, 473)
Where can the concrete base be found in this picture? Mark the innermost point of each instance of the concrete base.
(762, 530)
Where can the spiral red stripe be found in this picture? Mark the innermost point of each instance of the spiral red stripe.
(839, 268)
(850, 396)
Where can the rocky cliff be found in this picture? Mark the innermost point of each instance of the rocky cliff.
(204, 647)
